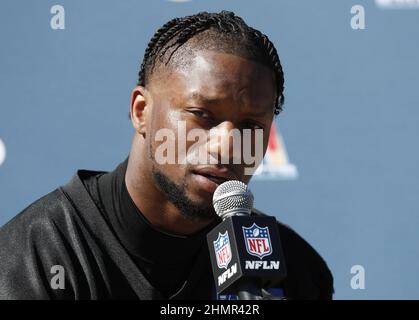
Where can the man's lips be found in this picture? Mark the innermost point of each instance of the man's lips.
(214, 179)
(217, 175)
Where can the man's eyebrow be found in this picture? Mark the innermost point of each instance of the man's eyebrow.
(199, 97)
(257, 114)
(208, 100)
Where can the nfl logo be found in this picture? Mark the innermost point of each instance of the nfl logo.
(258, 241)
(222, 250)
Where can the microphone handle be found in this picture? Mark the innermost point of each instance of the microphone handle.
(248, 290)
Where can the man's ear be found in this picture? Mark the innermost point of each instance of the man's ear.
(140, 107)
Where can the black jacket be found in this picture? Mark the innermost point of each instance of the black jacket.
(65, 228)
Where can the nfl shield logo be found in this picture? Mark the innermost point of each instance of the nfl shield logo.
(222, 250)
(258, 241)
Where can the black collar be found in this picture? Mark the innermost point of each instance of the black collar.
(167, 259)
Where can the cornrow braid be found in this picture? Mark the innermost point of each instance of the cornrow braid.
(178, 31)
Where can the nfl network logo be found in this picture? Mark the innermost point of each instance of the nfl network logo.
(258, 241)
(222, 250)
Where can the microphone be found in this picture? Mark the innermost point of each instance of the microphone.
(245, 249)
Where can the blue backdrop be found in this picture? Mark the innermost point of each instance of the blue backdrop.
(350, 122)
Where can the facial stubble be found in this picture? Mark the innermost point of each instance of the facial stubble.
(176, 193)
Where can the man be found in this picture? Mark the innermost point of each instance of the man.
(138, 232)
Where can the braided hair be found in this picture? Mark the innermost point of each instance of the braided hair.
(224, 31)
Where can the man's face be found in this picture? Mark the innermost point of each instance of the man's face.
(213, 95)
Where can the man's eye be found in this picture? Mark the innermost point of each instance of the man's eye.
(252, 125)
(201, 114)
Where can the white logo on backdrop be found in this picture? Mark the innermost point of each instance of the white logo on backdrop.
(397, 4)
(2, 152)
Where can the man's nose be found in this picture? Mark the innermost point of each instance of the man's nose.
(225, 143)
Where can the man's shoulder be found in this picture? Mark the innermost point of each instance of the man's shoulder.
(39, 214)
(43, 235)
(308, 275)
(47, 213)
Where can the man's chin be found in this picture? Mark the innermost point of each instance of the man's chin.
(191, 202)
(198, 207)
